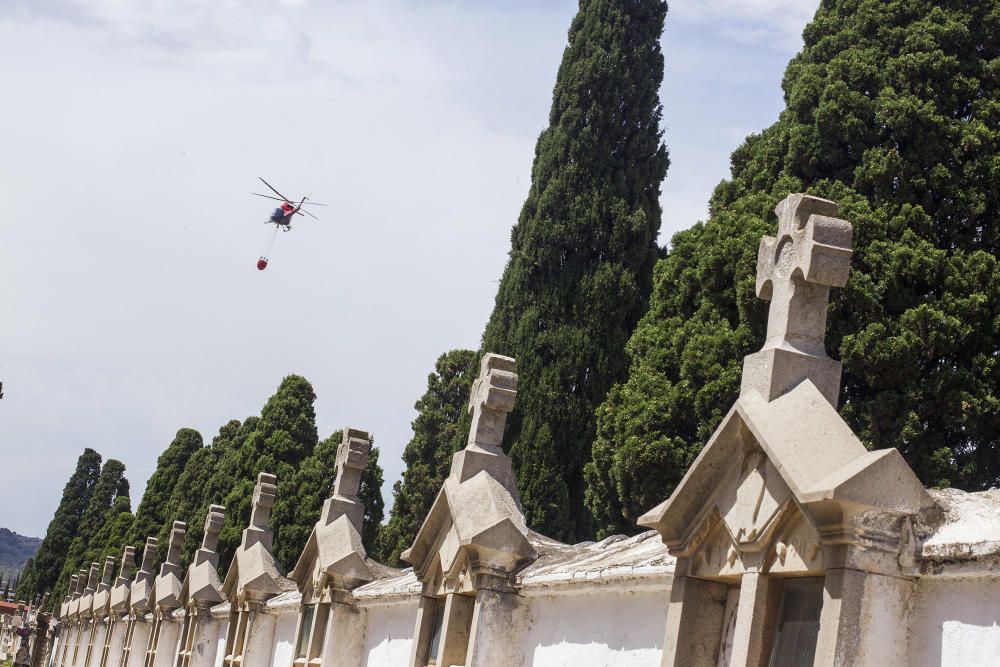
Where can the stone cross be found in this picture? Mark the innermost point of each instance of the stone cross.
(71, 591)
(109, 567)
(492, 399)
(352, 456)
(128, 566)
(795, 271)
(146, 570)
(210, 542)
(260, 512)
(95, 568)
(172, 565)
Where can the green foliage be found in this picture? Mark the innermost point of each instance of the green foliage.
(580, 268)
(282, 438)
(86, 547)
(370, 494)
(152, 512)
(436, 435)
(42, 573)
(892, 110)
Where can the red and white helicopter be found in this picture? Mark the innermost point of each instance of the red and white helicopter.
(281, 218)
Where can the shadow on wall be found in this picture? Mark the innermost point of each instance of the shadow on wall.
(955, 623)
(574, 630)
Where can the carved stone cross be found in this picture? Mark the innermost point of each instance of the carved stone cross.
(173, 563)
(352, 457)
(492, 399)
(148, 559)
(795, 271)
(128, 566)
(210, 541)
(260, 512)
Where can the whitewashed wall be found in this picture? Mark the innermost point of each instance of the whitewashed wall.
(955, 622)
(624, 629)
(389, 634)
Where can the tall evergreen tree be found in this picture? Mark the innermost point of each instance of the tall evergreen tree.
(109, 486)
(892, 110)
(427, 456)
(152, 512)
(45, 567)
(370, 494)
(281, 439)
(582, 253)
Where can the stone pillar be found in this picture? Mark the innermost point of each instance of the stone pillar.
(694, 622)
(494, 629)
(41, 640)
(455, 628)
(754, 625)
(345, 634)
(206, 639)
(860, 621)
(426, 609)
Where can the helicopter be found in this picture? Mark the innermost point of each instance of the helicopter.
(281, 217)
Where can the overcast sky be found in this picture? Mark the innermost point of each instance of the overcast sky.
(133, 132)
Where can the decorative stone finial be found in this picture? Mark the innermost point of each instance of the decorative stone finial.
(491, 401)
(108, 574)
(209, 543)
(352, 456)
(172, 565)
(795, 271)
(146, 570)
(128, 566)
(95, 569)
(260, 512)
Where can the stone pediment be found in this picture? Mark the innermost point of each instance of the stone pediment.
(254, 570)
(334, 551)
(201, 584)
(769, 459)
(477, 518)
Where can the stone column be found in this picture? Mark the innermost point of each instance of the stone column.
(860, 621)
(754, 625)
(344, 644)
(494, 630)
(694, 621)
(455, 628)
(426, 609)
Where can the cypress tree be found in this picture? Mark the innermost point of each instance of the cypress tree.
(84, 547)
(43, 573)
(153, 510)
(436, 432)
(370, 494)
(283, 436)
(892, 111)
(582, 253)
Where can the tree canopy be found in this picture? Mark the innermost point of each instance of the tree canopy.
(582, 253)
(892, 111)
(436, 436)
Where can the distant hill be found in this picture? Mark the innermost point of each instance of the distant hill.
(15, 550)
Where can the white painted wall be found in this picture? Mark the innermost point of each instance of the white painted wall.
(955, 622)
(389, 634)
(612, 630)
(284, 639)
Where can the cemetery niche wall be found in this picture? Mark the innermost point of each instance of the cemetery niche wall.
(786, 543)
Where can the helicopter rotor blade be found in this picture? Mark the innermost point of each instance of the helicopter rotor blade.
(267, 196)
(272, 188)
